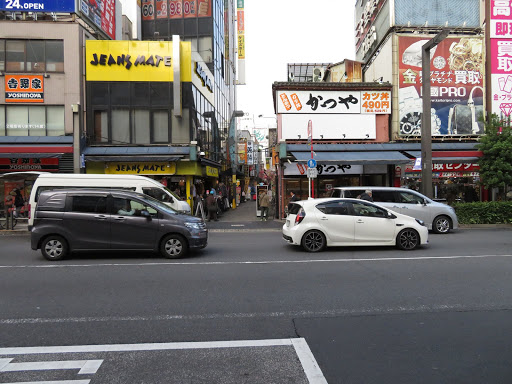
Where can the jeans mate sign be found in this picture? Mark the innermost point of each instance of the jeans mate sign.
(64, 6)
(456, 78)
(501, 57)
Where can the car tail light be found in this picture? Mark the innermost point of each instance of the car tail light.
(300, 216)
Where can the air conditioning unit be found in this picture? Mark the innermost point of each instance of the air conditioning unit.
(318, 74)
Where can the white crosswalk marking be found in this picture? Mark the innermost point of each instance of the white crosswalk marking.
(85, 366)
(53, 382)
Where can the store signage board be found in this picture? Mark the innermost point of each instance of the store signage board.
(24, 89)
(61, 6)
(141, 168)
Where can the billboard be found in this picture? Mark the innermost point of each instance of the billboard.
(501, 59)
(175, 9)
(102, 13)
(456, 79)
(24, 89)
(63, 6)
(436, 13)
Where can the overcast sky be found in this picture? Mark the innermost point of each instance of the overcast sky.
(278, 32)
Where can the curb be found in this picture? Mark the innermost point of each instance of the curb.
(484, 226)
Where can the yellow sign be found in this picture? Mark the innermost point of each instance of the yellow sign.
(241, 46)
(108, 60)
(212, 172)
(149, 168)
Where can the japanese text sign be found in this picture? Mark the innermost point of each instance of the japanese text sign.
(501, 56)
(64, 6)
(334, 102)
(376, 102)
(103, 14)
(24, 89)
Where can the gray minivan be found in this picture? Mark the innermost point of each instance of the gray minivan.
(69, 220)
(438, 217)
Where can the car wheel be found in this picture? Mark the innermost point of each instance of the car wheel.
(313, 241)
(408, 239)
(173, 246)
(441, 224)
(54, 248)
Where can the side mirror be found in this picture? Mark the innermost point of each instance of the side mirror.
(425, 201)
(390, 216)
(146, 214)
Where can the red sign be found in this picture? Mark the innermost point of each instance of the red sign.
(24, 89)
(161, 9)
(16, 164)
(451, 167)
(175, 9)
(108, 18)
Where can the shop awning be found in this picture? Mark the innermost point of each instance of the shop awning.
(162, 158)
(374, 157)
(443, 159)
(30, 155)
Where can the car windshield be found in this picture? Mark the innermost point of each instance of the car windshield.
(173, 194)
(158, 204)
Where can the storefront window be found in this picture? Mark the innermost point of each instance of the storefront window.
(121, 126)
(2, 121)
(16, 120)
(160, 126)
(101, 126)
(2, 55)
(35, 56)
(37, 121)
(141, 126)
(55, 120)
(15, 55)
(54, 56)
(25, 120)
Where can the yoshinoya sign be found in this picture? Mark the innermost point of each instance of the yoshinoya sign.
(17, 164)
(136, 61)
(24, 89)
(63, 6)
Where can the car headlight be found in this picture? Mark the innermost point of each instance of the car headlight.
(194, 226)
(420, 222)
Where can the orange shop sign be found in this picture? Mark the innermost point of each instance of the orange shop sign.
(24, 89)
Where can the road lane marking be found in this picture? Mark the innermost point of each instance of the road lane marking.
(257, 315)
(301, 347)
(86, 366)
(53, 382)
(416, 258)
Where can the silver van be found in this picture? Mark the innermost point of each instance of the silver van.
(438, 217)
(69, 220)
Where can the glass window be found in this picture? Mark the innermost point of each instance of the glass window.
(129, 207)
(410, 198)
(16, 120)
(15, 55)
(55, 120)
(160, 94)
(120, 93)
(2, 120)
(100, 126)
(121, 126)
(99, 93)
(37, 121)
(2, 55)
(160, 127)
(89, 204)
(335, 208)
(140, 93)
(140, 120)
(54, 56)
(35, 56)
(362, 209)
(383, 196)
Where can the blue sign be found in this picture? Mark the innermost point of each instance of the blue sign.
(311, 163)
(64, 6)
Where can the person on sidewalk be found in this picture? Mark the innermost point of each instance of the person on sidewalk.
(366, 195)
(264, 204)
(211, 206)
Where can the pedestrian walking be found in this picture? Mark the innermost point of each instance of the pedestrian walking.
(211, 206)
(19, 202)
(366, 195)
(264, 204)
(292, 199)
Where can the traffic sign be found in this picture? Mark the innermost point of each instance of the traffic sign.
(311, 163)
(312, 173)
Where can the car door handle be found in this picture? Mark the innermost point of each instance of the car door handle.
(119, 218)
(324, 218)
(359, 221)
(100, 217)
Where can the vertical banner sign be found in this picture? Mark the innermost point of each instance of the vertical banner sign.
(250, 154)
(241, 40)
(501, 57)
(102, 14)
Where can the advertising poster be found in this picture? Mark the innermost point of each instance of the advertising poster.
(189, 8)
(456, 80)
(102, 13)
(175, 9)
(63, 6)
(161, 9)
(501, 57)
(148, 9)
(204, 8)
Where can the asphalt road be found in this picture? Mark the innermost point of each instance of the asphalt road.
(363, 315)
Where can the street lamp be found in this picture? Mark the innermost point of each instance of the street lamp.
(426, 130)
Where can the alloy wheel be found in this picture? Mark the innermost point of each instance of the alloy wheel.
(408, 239)
(314, 241)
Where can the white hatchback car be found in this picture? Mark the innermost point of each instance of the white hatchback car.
(317, 223)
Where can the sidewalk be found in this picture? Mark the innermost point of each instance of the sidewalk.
(243, 217)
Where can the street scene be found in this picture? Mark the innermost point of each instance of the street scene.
(240, 191)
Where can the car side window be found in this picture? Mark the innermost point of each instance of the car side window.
(157, 193)
(89, 204)
(336, 193)
(129, 207)
(383, 196)
(410, 198)
(353, 193)
(361, 209)
(335, 208)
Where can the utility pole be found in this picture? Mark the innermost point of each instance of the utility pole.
(426, 129)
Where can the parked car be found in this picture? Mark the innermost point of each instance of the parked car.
(69, 220)
(137, 183)
(438, 217)
(318, 223)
